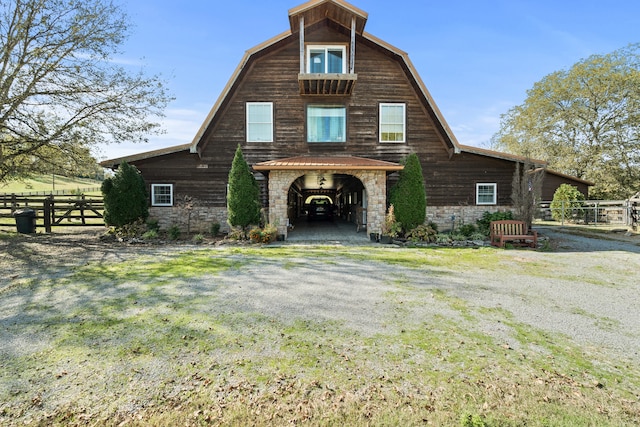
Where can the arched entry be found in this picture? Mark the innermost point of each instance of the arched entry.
(325, 196)
(283, 175)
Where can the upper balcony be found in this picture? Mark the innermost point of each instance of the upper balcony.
(327, 69)
(326, 83)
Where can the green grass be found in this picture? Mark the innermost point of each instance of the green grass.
(46, 183)
(153, 341)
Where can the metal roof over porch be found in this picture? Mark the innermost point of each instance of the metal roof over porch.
(327, 163)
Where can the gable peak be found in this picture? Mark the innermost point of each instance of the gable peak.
(338, 11)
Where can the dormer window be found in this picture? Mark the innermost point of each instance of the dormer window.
(326, 59)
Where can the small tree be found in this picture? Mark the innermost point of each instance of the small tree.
(408, 196)
(567, 202)
(526, 188)
(186, 205)
(391, 227)
(243, 197)
(125, 196)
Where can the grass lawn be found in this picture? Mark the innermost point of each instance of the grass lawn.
(185, 338)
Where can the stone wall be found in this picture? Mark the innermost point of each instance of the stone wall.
(442, 215)
(201, 218)
(279, 182)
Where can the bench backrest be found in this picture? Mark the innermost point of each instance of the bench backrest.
(508, 227)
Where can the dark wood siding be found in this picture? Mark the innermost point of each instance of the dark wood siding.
(188, 175)
(553, 181)
(272, 76)
(453, 182)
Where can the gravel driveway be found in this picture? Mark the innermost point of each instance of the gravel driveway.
(587, 289)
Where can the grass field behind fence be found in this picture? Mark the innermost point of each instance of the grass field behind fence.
(48, 183)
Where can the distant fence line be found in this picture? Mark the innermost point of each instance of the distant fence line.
(55, 192)
(54, 210)
(623, 212)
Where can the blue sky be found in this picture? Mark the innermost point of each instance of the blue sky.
(477, 58)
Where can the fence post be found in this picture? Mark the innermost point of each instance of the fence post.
(47, 214)
(53, 209)
(82, 210)
(562, 211)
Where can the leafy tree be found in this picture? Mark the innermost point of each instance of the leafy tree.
(408, 196)
(125, 196)
(585, 122)
(243, 198)
(61, 93)
(566, 203)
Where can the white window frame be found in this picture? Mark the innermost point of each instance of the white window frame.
(153, 195)
(343, 131)
(249, 122)
(404, 121)
(326, 49)
(493, 185)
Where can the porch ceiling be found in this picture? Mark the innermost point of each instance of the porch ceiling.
(327, 163)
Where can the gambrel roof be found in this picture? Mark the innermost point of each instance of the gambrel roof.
(342, 13)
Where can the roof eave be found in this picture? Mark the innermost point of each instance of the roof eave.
(111, 163)
(259, 167)
(360, 15)
(227, 89)
(573, 178)
(500, 155)
(423, 88)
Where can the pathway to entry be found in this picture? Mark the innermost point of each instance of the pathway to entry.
(336, 231)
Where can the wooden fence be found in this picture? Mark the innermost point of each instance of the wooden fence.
(66, 193)
(66, 210)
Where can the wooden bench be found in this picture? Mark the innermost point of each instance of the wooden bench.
(512, 231)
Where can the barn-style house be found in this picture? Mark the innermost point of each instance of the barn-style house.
(326, 109)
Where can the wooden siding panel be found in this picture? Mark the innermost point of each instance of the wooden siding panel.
(552, 182)
(272, 76)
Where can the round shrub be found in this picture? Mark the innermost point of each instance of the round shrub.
(422, 233)
(567, 203)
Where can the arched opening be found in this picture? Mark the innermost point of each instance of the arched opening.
(356, 185)
(327, 202)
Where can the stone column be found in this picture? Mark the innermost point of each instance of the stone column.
(279, 183)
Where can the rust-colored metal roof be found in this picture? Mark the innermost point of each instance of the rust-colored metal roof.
(327, 163)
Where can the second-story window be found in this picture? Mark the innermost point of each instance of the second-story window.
(392, 123)
(326, 59)
(259, 122)
(326, 123)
